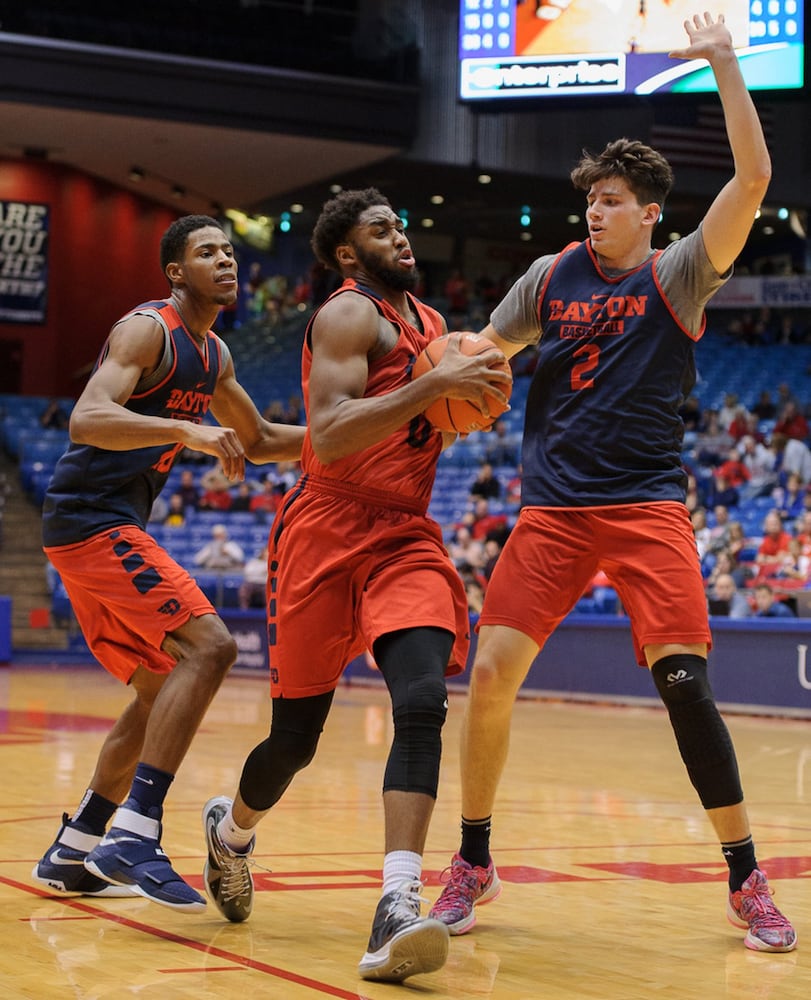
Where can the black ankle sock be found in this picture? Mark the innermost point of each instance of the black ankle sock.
(475, 847)
(740, 857)
(94, 813)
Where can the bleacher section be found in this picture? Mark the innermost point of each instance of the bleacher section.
(268, 366)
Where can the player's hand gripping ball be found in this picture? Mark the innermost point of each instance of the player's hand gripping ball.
(461, 415)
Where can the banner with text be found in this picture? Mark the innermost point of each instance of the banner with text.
(748, 292)
(23, 262)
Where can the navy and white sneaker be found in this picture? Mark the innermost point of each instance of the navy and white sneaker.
(403, 943)
(62, 868)
(130, 854)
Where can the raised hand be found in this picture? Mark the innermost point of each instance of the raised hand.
(707, 38)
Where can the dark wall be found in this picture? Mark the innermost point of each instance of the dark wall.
(102, 260)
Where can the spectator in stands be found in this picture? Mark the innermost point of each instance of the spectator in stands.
(759, 461)
(791, 422)
(790, 455)
(774, 545)
(253, 292)
(252, 590)
(726, 563)
(501, 448)
(741, 423)
(767, 604)
(475, 597)
(216, 493)
(713, 442)
(492, 550)
(803, 532)
(276, 297)
(753, 429)
(764, 408)
(721, 492)
(719, 530)
(795, 565)
(513, 491)
(464, 549)
(221, 553)
(693, 497)
(54, 416)
(176, 515)
(302, 292)
(789, 500)
(484, 524)
(188, 491)
(241, 499)
(734, 469)
(486, 483)
(791, 330)
(729, 409)
(725, 598)
(268, 499)
(701, 531)
(738, 542)
(293, 411)
(784, 395)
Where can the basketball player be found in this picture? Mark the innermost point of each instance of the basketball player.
(603, 488)
(144, 618)
(356, 565)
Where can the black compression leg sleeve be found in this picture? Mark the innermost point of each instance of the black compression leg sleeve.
(413, 662)
(294, 733)
(703, 738)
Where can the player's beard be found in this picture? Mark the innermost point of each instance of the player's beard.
(394, 278)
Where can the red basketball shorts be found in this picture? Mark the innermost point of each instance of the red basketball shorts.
(344, 571)
(647, 551)
(127, 593)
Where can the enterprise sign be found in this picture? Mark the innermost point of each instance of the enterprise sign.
(526, 75)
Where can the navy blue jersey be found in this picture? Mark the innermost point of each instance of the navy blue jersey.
(614, 366)
(93, 489)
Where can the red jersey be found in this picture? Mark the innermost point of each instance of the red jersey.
(404, 464)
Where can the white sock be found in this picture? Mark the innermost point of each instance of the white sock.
(234, 836)
(399, 867)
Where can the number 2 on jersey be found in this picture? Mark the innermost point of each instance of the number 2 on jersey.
(588, 356)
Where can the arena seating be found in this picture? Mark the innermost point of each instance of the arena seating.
(268, 365)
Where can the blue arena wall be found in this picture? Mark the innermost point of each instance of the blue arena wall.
(758, 666)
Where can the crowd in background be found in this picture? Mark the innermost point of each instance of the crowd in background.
(735, 458)
(738, 458)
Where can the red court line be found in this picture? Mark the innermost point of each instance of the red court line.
(250, 963)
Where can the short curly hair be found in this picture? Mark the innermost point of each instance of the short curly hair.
(646, 172)
(337, 217)
(174, 240)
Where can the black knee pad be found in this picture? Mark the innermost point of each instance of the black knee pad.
(701, 734)
(413, 764)
(272, 765)
(289, 748)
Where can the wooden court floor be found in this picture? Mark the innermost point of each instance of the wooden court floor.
(614, 887)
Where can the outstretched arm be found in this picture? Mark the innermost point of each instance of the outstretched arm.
(729, 219)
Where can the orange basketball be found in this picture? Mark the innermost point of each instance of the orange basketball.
(461, 415)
